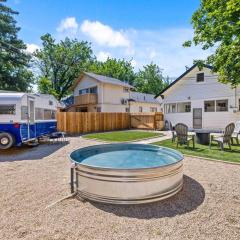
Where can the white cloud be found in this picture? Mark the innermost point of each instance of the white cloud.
(31, 47)
(133, 63)
(103, 56)
(68, 24)
(161, 46)
(152, 54)
(104, 35)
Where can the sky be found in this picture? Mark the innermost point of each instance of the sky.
(142, 31)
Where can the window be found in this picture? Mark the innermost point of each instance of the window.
(184, 107)
(172, 108)
(125, 89)
(53, 115)
(50, 102)
(39, 113)
(93, 90)
(98, 109)
(209, 106)
(153, 109)
(49, 114)
(88, 90)
(200, 77)
(8, 109)
(127, 109)
(83, 91)
(222, 105)
(24, 112)
(140, 109)
(177, 107)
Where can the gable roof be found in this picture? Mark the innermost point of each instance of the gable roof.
(143, 97)
(103, 79)
(180, 77)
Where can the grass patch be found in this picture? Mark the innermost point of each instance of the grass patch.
(122, 136)
(204, 151)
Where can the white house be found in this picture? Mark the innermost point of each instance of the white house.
(197, 99)
(97, 93)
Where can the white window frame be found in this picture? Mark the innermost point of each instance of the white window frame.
(14, 106)
(226, 105)
(214, 101)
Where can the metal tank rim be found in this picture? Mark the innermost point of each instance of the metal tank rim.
(124, 169)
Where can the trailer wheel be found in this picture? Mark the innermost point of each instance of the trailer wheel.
(6, 140)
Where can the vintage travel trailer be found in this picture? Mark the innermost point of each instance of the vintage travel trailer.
(25, 117)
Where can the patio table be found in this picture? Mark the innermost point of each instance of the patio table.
(203, 136)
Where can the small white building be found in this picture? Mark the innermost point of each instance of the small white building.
(98, 93)
(197, 99)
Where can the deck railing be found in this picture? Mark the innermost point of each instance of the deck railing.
(84, 99)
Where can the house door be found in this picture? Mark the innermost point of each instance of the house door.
(197, 118)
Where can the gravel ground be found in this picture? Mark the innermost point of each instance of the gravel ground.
(208, 207)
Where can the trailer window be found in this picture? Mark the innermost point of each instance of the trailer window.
(8, 109)
(53, 115)
(49, 114)
(24, 112)
(39, 114)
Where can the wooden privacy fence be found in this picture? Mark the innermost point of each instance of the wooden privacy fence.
(86, 122)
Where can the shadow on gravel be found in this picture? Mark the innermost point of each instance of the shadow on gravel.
(189, 198)
(29, 153)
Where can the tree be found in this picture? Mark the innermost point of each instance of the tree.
(61, 63)
(14, 62)
(116, 68)
(217, 25)
(150, 80)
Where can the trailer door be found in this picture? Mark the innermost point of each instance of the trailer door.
(31, 119)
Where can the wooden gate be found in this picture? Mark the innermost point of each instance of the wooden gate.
(147, 120)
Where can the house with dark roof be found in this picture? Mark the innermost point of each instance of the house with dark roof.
(199, 100)
(97, 93)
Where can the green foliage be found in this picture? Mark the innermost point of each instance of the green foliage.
(150, 80)
(61, 63)
(116, 68)
(45, 86)
(217, 24)
(14, 62)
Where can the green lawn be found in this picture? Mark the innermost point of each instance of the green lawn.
(204, 151)
(122, 136)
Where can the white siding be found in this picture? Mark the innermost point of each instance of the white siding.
(145, 106)
(188, 90)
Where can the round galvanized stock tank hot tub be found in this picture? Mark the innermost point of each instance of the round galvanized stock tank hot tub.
(126, 173)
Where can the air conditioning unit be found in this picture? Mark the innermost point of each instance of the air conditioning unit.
(124, 101)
